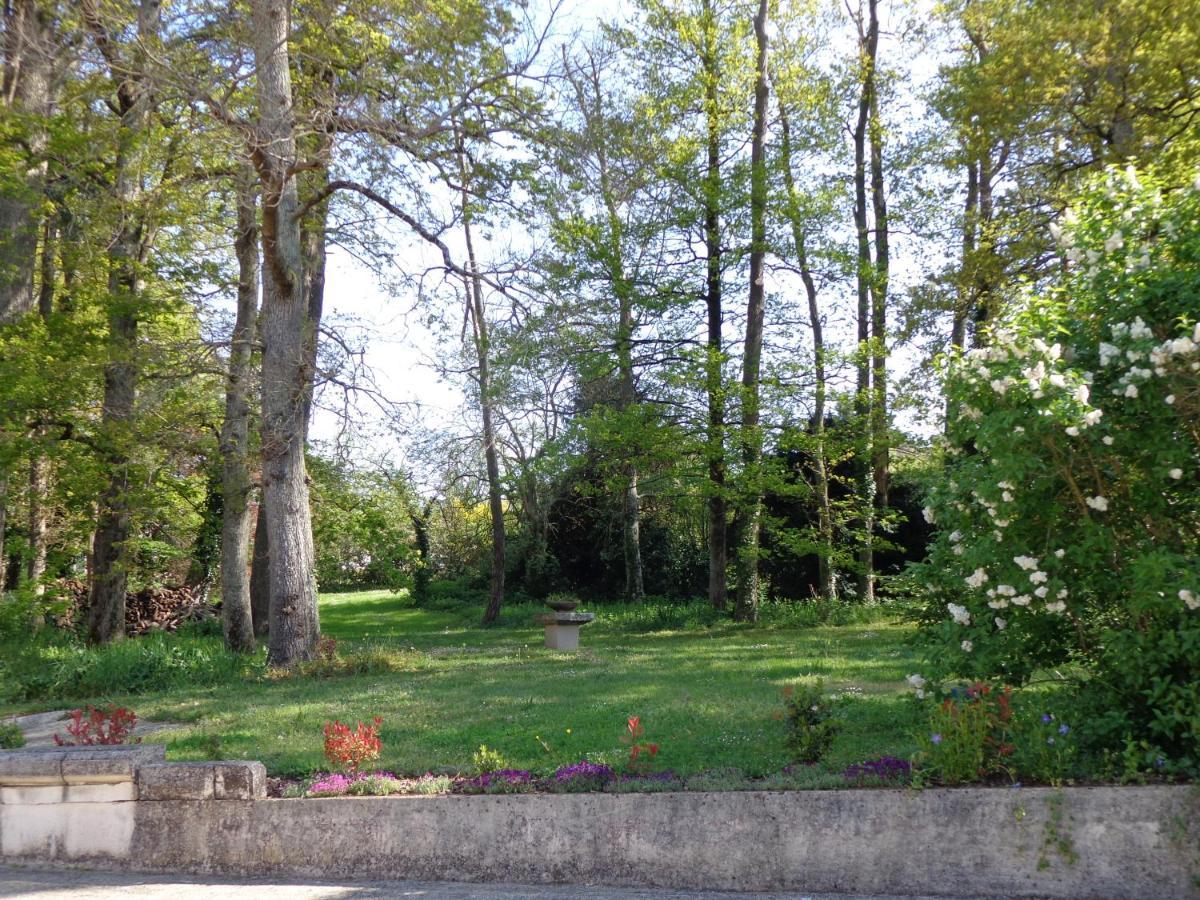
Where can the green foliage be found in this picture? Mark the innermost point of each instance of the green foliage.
(11, 737)
(487, 760)
(1069, 509)
(362, 527)
(813, 721)
(59, 669)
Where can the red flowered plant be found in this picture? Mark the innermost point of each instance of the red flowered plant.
(347, 748)
(641, 752)
(92, 726)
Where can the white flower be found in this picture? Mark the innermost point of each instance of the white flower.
(1107, 440)
(1190, 598)
(976, 578)
(1081, 393)
(959, 614)
(1098, 503)
(1006, 590)
(955, 537)
(1060, 553)
(1038, 577)
(1176, 473)
(1007, 497)
(916, 681)
(967, 646)
(1131, 390)
(1170, 401)
(1022, 600)
(1041, 592)
(1092, 416)
(1058, 380)
(1114, 243)
(1056, 607)
(1000, 623)
(1072, 431)
(1028, 563)
(998, 604)
(1000, 385)
(1061, 594)
(927, 512)
(957, 550)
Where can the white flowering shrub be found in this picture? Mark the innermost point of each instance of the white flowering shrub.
(1068, 516)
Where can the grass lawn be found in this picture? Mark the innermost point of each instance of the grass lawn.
(443, 686)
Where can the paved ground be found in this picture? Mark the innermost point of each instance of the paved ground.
(79, 885)
(39, 728)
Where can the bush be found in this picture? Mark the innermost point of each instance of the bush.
(348, 749)
(54, 667)
(811, 721)
(1069, 508)
(11, 737)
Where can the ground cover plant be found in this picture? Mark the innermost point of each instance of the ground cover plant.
(443, 687)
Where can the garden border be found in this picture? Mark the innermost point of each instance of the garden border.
(123, 808)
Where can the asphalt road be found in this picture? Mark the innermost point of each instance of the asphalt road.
(84, 885)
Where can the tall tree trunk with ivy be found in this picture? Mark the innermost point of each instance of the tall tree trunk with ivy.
(880, 422)
(127, 253)
(236, 483)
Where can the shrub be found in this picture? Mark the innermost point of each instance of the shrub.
(10, 736)
(1069, 508)
(969, 736)
(349, 749)
(812, 722)
(641, 752)
(113, 725)
(487, 760)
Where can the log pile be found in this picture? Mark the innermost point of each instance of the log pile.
(150, 609)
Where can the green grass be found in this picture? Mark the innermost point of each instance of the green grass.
(707, 693)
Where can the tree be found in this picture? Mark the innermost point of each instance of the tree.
(294, 623)
(235, 430)
(751, 438)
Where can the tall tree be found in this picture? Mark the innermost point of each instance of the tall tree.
(750, 514)
(27, 96)
(294, 623)
(868, 44)
(235, 430)
(127, 254)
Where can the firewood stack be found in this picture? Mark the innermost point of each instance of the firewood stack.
(150, 609)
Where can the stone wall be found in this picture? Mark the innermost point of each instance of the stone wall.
(134, 811)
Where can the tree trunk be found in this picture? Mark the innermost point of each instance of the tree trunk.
(473, 285)
(126, 255)
(314, 255)
(718, 558)
(827, 589)
(3, 530)
(29, 47)
(880, 431)
(868, 41)
(235, 433)
(420, 523)
(260, 576)
(752, 438)
(294, 622)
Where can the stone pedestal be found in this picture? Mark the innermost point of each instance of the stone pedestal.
(562, 628)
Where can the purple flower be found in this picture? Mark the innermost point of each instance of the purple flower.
(1047, 718)
(936, 738)
(886, 768)
(1063, 729)
(583, 770)
(501, 776)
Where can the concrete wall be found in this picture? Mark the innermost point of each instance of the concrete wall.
(1093, 842)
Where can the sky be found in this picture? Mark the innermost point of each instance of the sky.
(399, 348)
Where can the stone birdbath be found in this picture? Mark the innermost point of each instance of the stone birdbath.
(563, 624)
